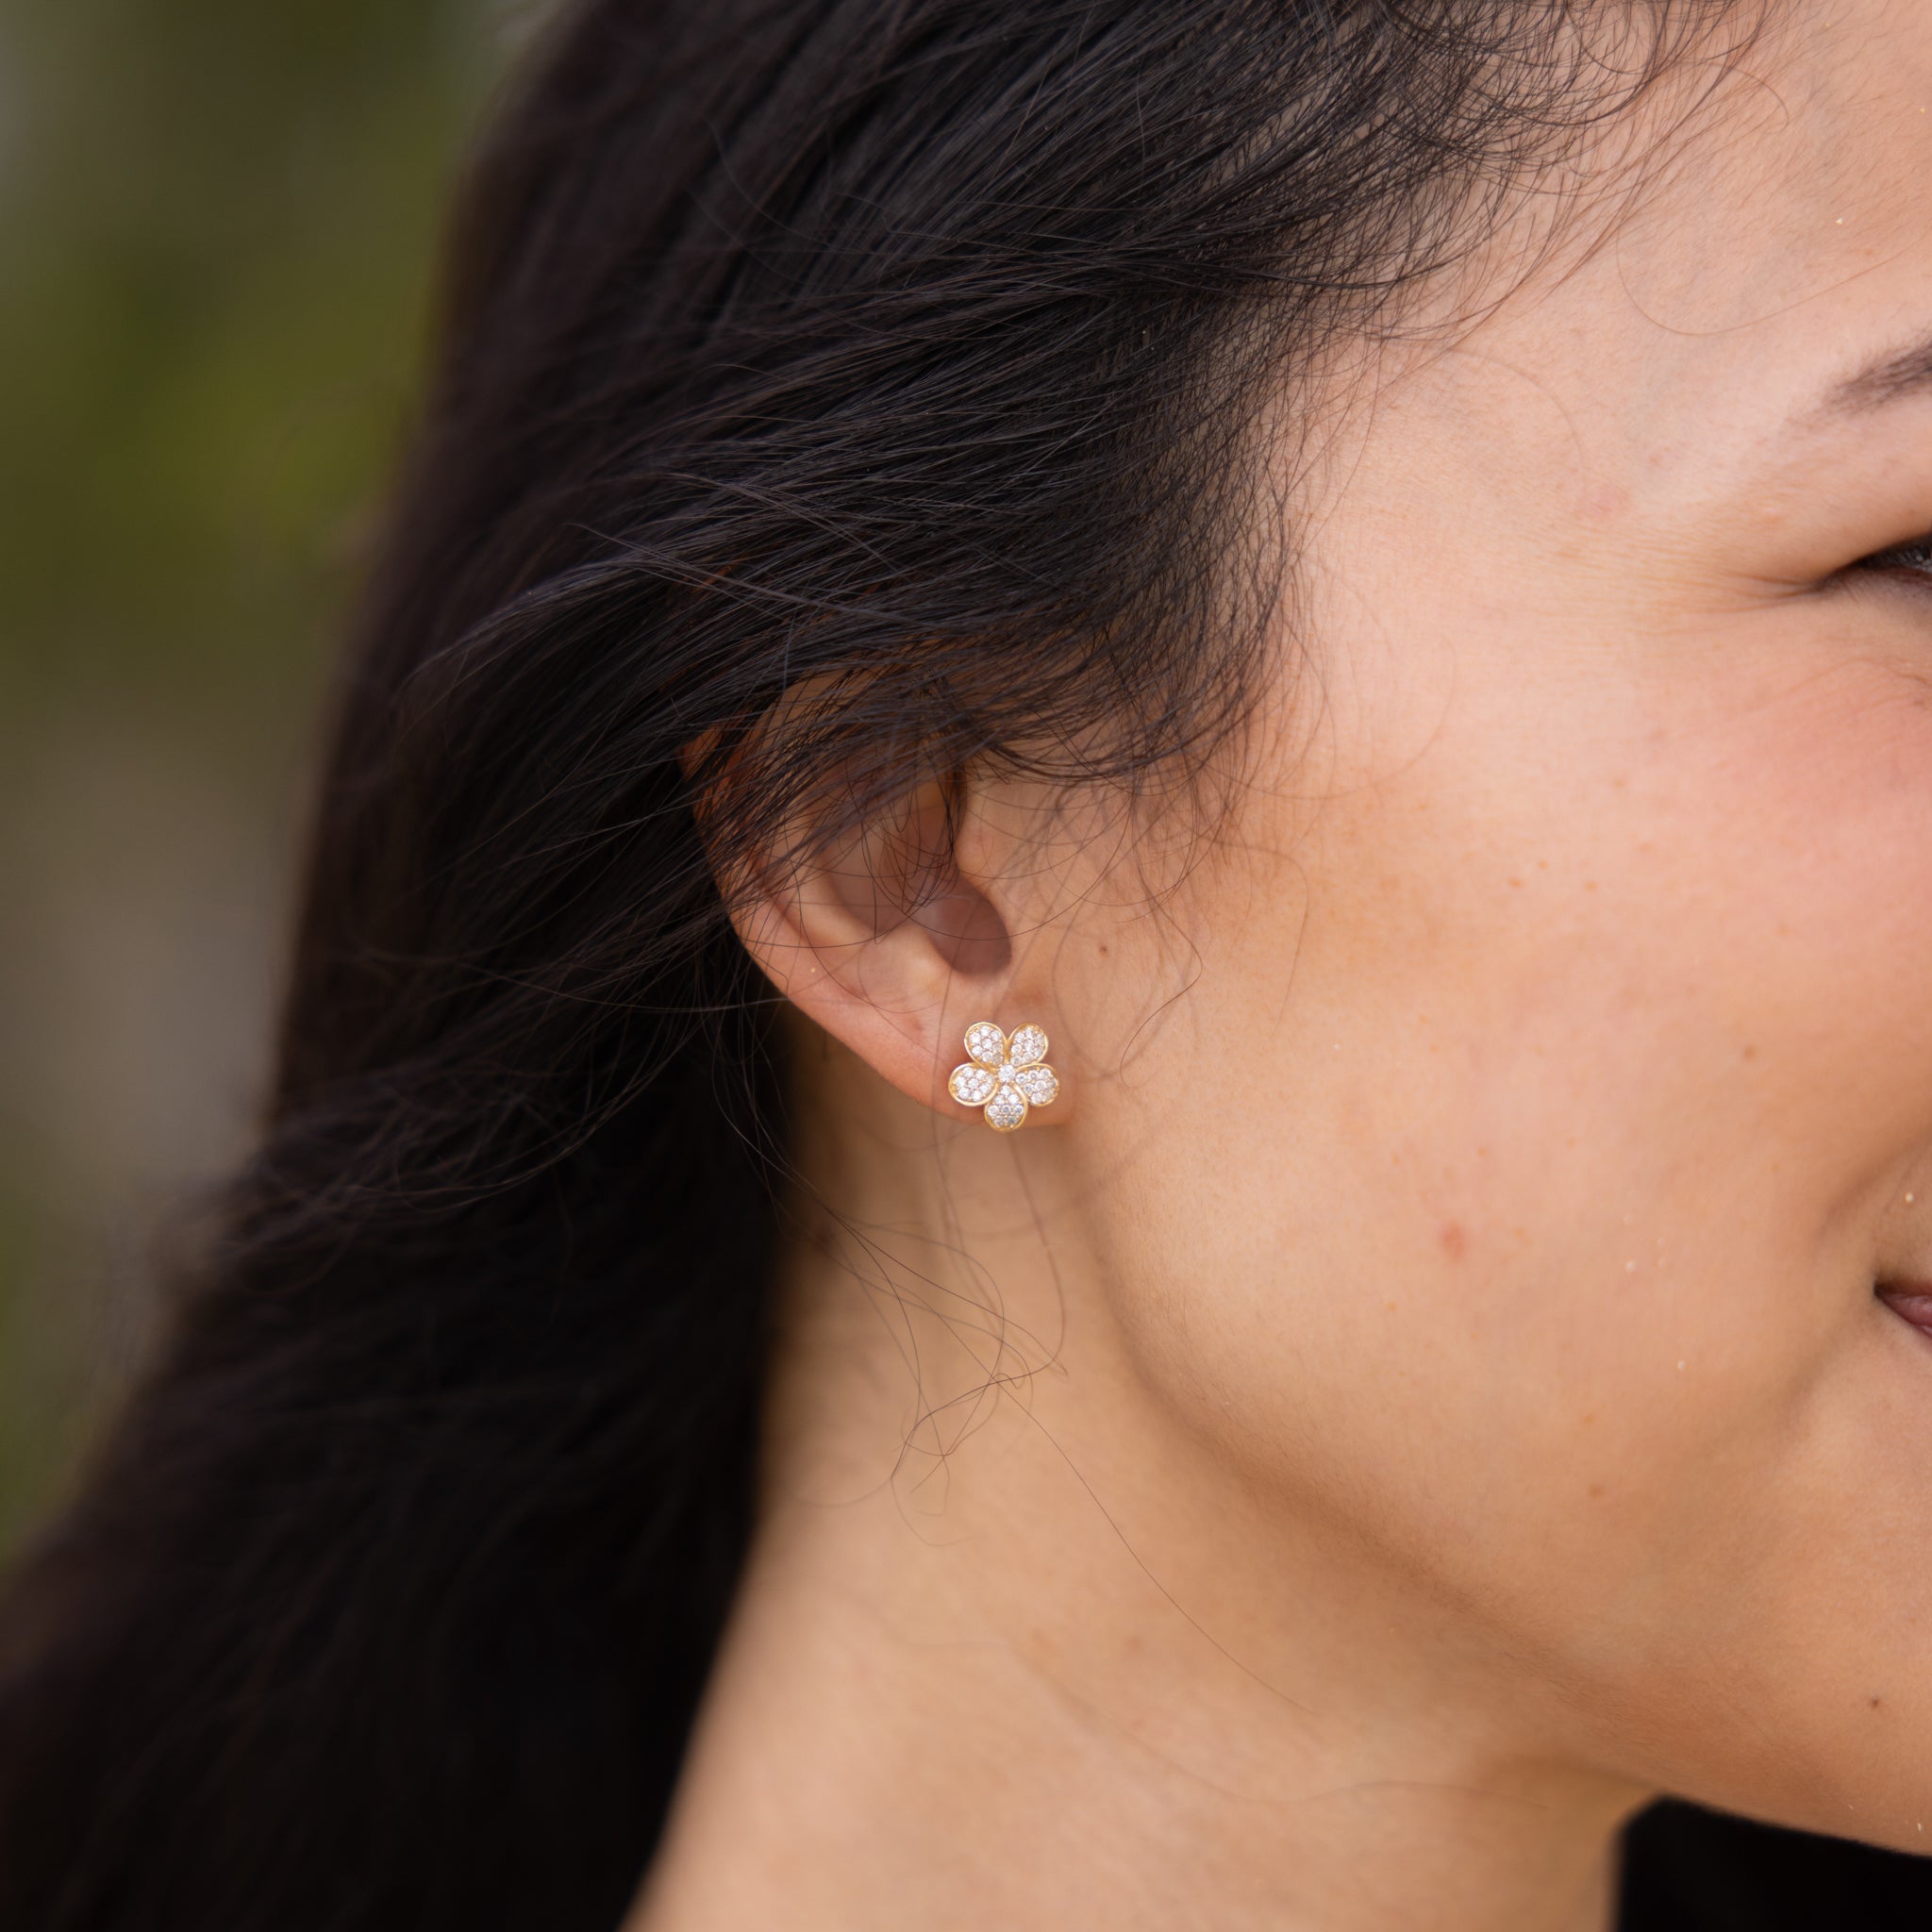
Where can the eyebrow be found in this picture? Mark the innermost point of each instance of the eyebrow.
(1904, 372)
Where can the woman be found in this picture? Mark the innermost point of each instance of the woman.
(1107, 1099)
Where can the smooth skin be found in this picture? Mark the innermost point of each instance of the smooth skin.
(1426, 1386)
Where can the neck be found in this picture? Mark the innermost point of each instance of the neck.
(1018, 1646)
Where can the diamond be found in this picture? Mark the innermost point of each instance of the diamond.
(1005, 1109)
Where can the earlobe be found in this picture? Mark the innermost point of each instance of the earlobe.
(878, 939)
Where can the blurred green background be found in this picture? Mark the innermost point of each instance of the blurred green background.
(216, 229)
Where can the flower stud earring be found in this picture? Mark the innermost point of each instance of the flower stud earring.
(1005, 1077)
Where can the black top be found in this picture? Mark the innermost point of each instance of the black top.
(1688, 1869)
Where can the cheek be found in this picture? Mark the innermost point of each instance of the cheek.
(1655, 1000)
(1518, 1154)
(1800, 894)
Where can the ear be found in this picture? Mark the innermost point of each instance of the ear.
(898, 936)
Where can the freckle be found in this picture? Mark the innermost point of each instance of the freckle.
(1591, 1417)
(1589, 885)
(1391, 1307)
(1596, 1488)
(1454, 1242)
(1875, 1704)
(1750, 1053)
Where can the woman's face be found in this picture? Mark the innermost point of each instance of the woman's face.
(1552, 1088)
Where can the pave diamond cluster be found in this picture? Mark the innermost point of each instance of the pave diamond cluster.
(1005, 1077)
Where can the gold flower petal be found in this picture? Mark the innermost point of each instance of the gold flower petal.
(985, 1043)
(972, 1085)
(1027, 1045)
(1040, 1085)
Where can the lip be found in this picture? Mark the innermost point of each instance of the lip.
(1911, 1301)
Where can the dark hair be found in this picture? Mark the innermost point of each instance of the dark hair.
(904, 358)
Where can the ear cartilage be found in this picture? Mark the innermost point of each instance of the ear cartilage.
(1006, 1076)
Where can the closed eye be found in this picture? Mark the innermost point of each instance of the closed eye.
(1913, 559)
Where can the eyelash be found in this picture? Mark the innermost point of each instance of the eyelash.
(1913, 559)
